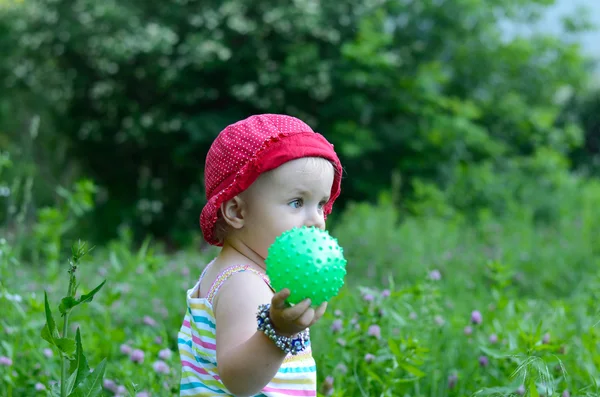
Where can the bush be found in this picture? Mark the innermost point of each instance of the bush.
(420, 89)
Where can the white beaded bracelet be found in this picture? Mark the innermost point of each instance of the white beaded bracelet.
(293, 345)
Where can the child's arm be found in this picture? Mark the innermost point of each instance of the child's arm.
(247, 359)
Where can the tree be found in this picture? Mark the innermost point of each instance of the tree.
(419, 89)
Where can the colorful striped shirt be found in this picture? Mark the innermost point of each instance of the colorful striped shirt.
(297, 376)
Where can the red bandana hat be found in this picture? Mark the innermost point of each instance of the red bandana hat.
(249, 147)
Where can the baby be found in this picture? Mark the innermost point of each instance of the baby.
(264, 175)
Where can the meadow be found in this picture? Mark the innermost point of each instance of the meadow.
(432, 306)
(468, 215)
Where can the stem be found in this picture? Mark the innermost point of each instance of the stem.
(64, 361)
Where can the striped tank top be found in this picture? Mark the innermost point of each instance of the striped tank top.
(297, 376)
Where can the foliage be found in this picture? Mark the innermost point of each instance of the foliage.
(584, 109)
(432, 306)
(423, 89)
(77, 379)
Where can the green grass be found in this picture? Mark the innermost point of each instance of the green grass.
(537, 288)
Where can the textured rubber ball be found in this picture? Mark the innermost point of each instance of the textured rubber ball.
(307, 261)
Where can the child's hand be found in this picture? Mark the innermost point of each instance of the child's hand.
(288, 320)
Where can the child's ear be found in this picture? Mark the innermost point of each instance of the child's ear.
(233, 212)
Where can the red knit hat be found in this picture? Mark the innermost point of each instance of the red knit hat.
(249, 147)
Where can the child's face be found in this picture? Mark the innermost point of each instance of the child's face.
(292, 195)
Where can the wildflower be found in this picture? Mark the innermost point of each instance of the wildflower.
(484, 361)
(109, 385)
(546, 338)
(476, 317)
(566, 394)
(40, 386)
(158, 340)
(369, 357)
(165, 354)
(468, 330)
(385, 293)
(48, 352)
(143, 394)
(125, 349)
(160, 367)
(341, 342)
(520, 390)
(327, 387)
(185, 271)
(121, 390)
(435, 275)
(149, 321)
(452, 380)
(163, 312)
(368, 297)
(374, 330)
(5, 361)
(137, 356)
(493, 338)
(412, 316)
(341, 368)
(337, 325)
(338, 313)
(439, 320)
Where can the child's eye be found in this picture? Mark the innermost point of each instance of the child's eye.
(296, 203)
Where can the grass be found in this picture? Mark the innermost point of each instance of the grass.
(403, 325)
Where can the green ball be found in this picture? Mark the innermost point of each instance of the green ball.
(307, 261)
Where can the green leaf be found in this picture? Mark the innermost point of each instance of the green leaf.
(494, 353)
(66, 346)
(394, 349)
(71, 382)
(412, 370)
(49, 332)
(92, 385)
(375, 376)
(494, 391)
(79, 366)
(66, 304)
(405, 380)
(533, 391)
(90, 296)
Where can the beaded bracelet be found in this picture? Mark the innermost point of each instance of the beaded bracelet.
(293, 345)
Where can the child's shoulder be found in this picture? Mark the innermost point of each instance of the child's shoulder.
(233, 281)
(242, 287)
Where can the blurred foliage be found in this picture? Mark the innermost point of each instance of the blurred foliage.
(585, 110)
(430, 95)
(402, 324)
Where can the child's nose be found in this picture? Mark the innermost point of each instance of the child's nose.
(315, 218)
